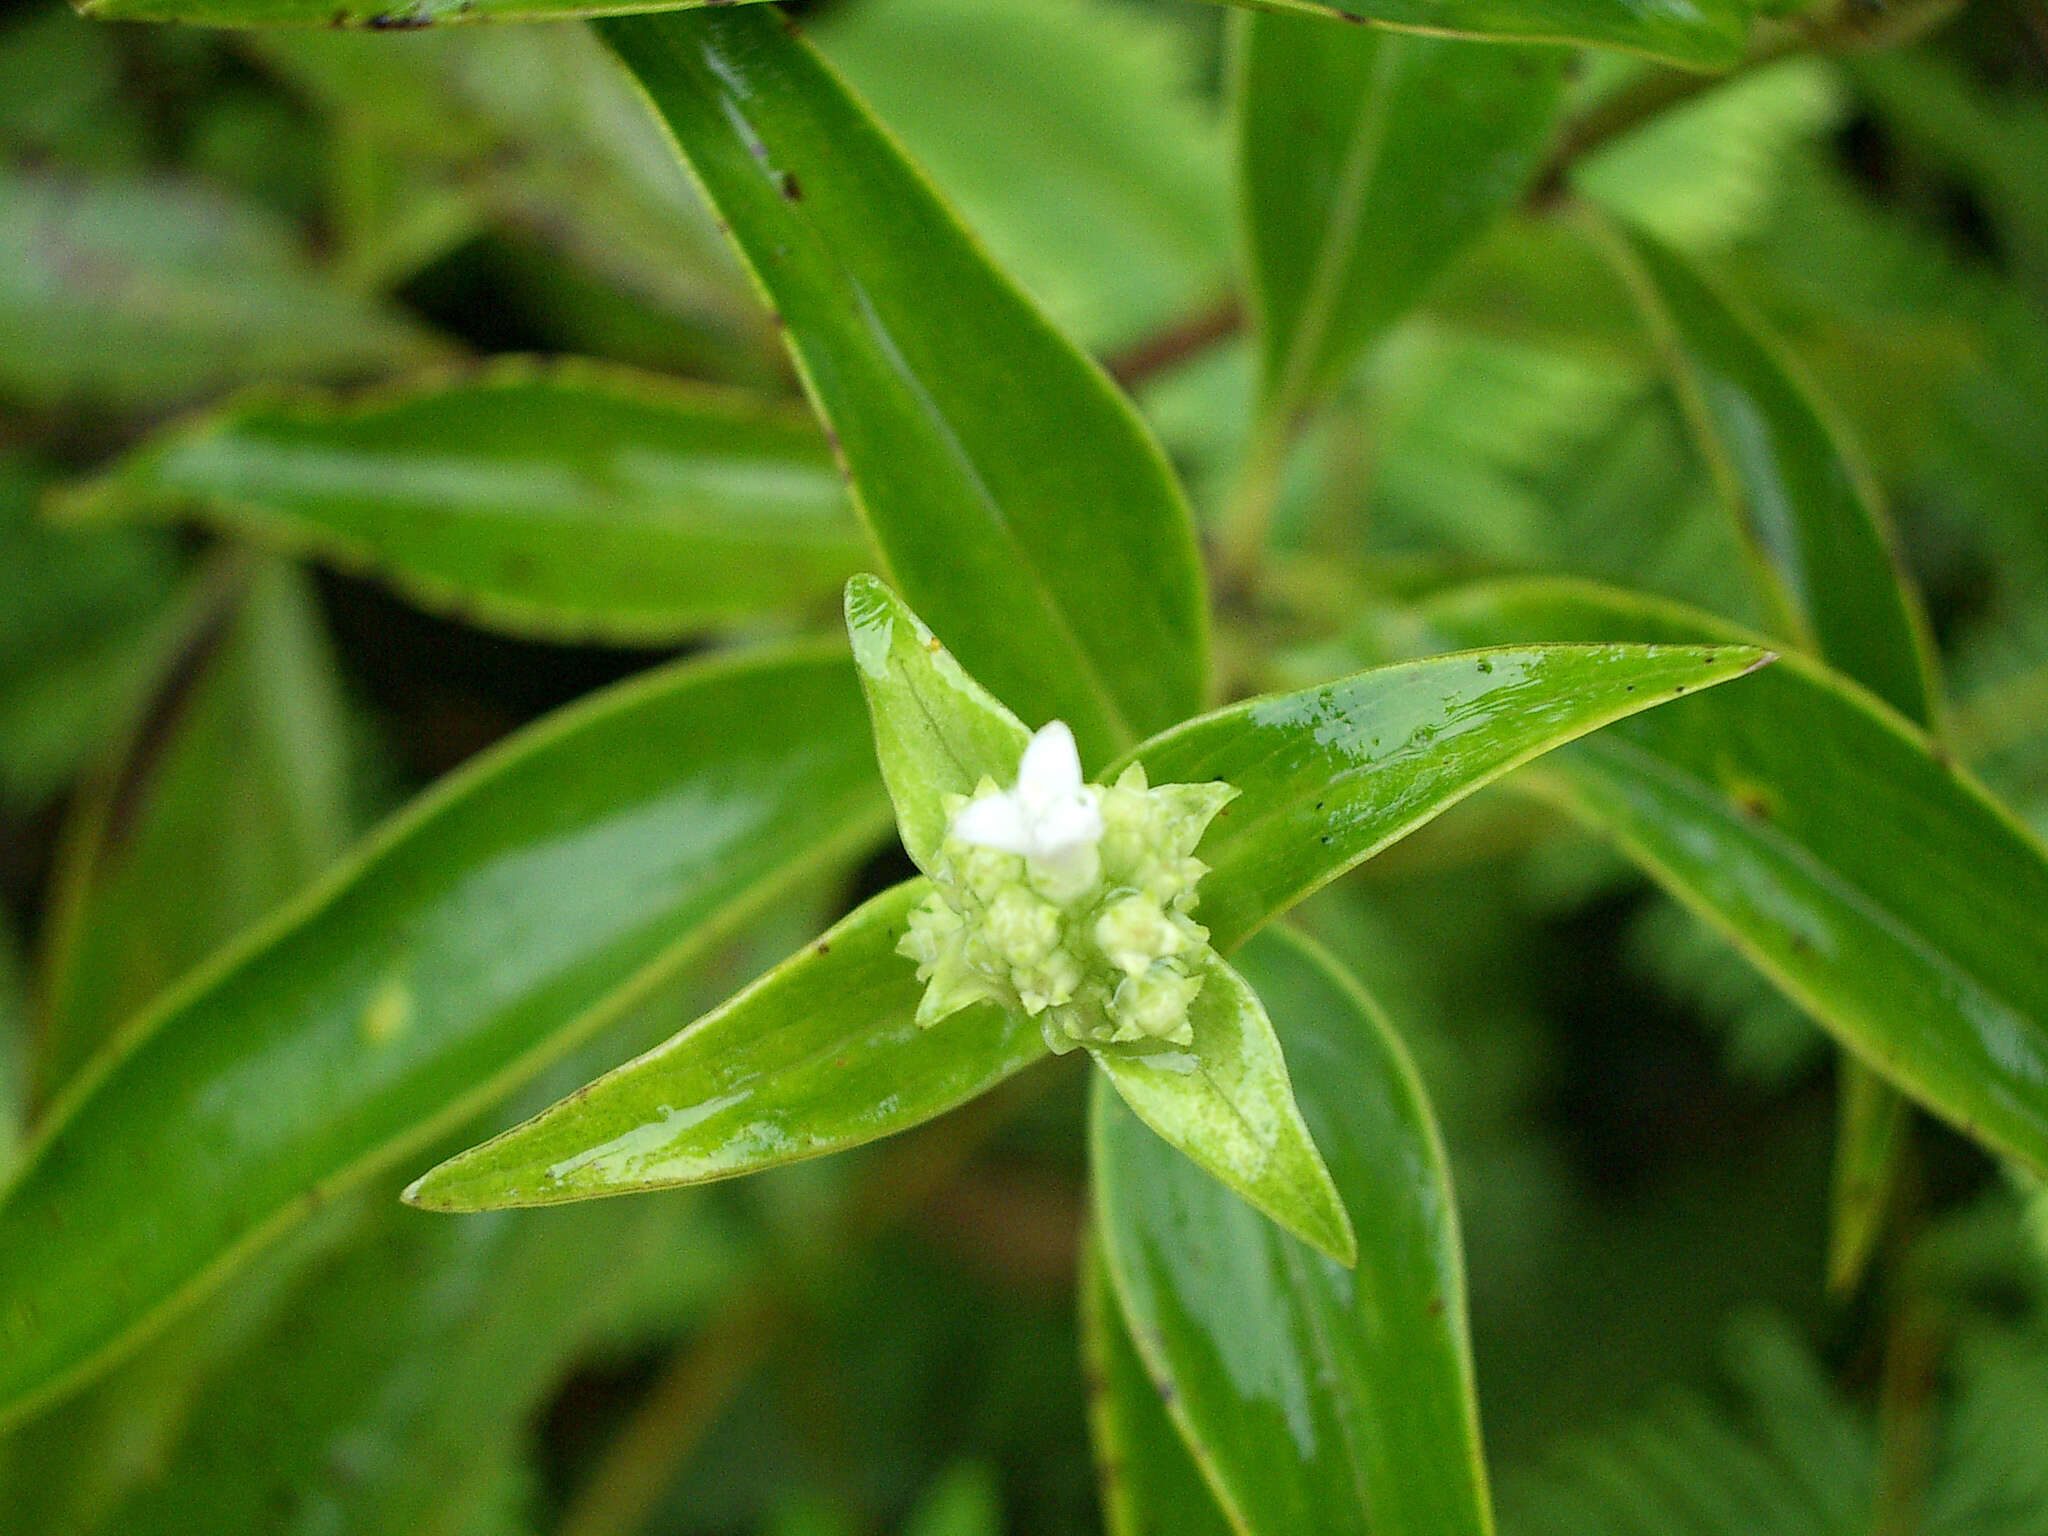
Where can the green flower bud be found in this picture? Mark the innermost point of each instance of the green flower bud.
(1070, 903)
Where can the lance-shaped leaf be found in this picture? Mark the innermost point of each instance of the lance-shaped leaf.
(565, 501)
(231, 795)
(1804, 501)
(533, 895)
(1227, 1103)
(937, 731)
(1021, 506)
(1319, 1399)
(1150, 1483)
(1810, 513)
(1330, 775)
(1367, 161)
(821, 1054)
(1875, 882)
(1706, 34)
(824, 1054)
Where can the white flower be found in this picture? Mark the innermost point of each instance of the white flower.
(1050, 817)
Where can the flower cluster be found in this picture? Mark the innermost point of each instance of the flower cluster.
(1070, 901)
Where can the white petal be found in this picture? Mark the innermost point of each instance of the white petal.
(994, 821)
(1069, 823)
(1051, 767)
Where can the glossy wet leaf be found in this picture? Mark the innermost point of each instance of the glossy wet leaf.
(233, 793)
(536, 893)
(136, 292)
(1330, 775)
(1149, 1481)
(1022, 508)
(1368, 161)
(1810, 512)
(1806, 504)
(1226, 1103)
(937, 731)
(1322, 1399)
(556, 500)
(822, 1054)
(1875, 882)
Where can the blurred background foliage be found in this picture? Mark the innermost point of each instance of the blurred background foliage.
(190, 729)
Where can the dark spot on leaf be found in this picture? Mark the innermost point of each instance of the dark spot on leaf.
(1485, 666)
(822, 947)
(1436, 1306)
(792, 190)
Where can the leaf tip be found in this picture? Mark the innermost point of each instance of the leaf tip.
(435, 1190)
(1325, 1225)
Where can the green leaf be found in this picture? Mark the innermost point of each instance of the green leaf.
(1806, 504)
(1871, 1125)
(536, 129)
(821, 1054)
(399, 1382)
(1330, 775)
(565, 501)
(1704, 35)
(189, 292)
(86, 623)
(1227, 1103)
(1150, 1483)
(1875, 882)
(1321, 1399)
(1810, 512)
(937, 731)
(1104, 195)
(1368, 161)
(824, 1054)
(231, 795)
(1022, 508)
(536, 893)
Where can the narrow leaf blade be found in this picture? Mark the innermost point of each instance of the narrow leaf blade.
(1877, 884)
(1810, 510)
(1150, 1483)
(534, 894)
(1805, 502)
(228, 799)
(1227, 1103)
(1022, 507)
(562, 501)
(1320, 1399)
(1368, 161)
(820, 1055)
(1330, 775)
(937, 731)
